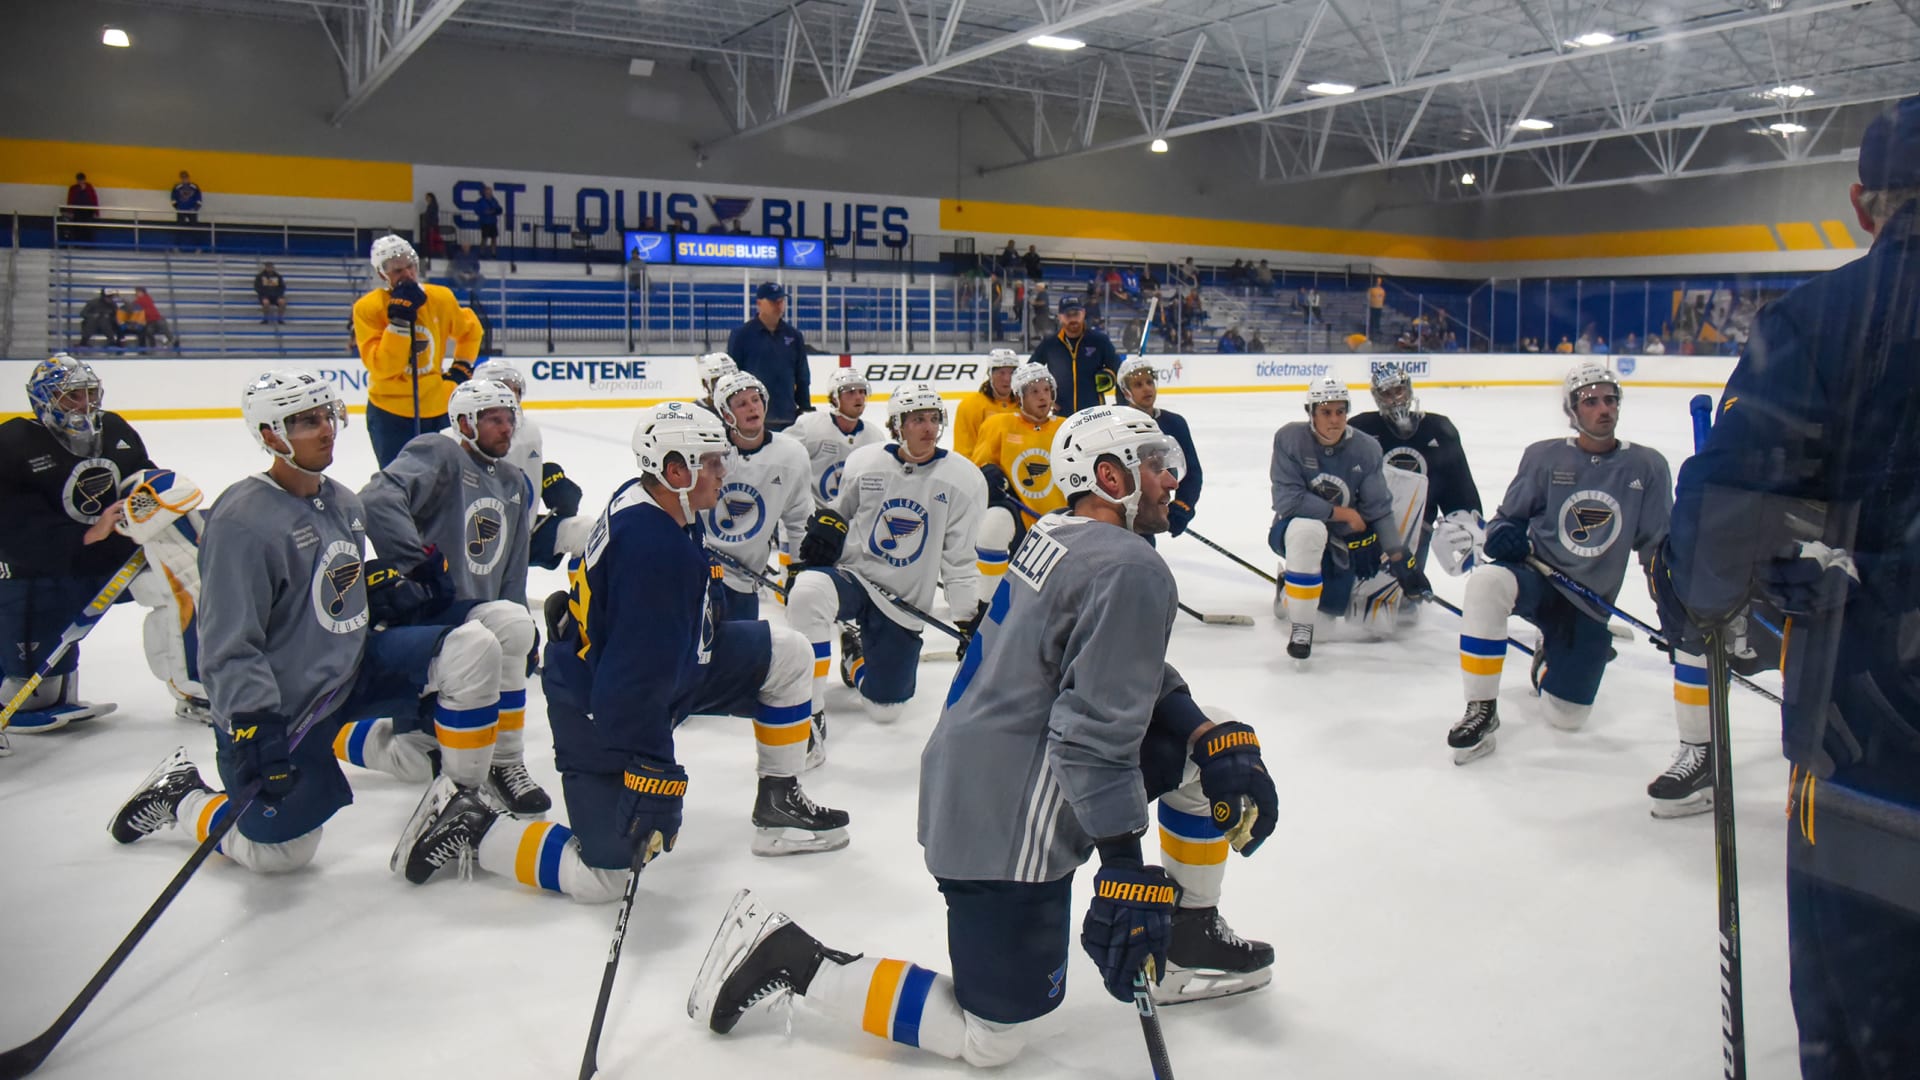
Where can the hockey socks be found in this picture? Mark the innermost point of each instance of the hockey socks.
(543, 855)
(373, 744)
(894, 1000)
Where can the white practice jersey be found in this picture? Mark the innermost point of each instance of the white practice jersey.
(763, 500)
(828, 448)
(911, 527)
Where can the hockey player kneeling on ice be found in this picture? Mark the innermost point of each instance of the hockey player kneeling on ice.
(1140, 385)
(829, 438)
(1579, 504)
(1418, 441)
(559, 531)
(60, 477)
(904, 522)
(291, 647)
(633, 649)
(1012, 453)
(764, 502)
(1062, 724)
(451, 500)
(1335, 523)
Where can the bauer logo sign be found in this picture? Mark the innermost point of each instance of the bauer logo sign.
(943, 374)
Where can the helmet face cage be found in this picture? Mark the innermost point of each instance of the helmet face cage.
(1393, 397)
(55, 379)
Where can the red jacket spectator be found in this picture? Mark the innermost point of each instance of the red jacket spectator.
(81, 194)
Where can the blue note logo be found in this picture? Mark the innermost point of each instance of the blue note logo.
(92, 486)
(1589, 523)
(828, 487)
(339, 598)
(1331, 488)
(739, 515)
(803, 248)
(1406, 457)
(899, 532)
(484, 534)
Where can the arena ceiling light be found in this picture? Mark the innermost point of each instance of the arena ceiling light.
(1467, 179)
(1786, 127)
(1533, 123)
(1592, 39)
(1158, 146)
(1050, 41)
(115, 37)
(1788, 92)
(1329, 89)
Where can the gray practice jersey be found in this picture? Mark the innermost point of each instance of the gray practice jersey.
(283, 604)
(1309, 479)
(1585, 511)
(1037, 753)
(438, 493)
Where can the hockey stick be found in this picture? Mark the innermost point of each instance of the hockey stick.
(29, 1055)
(1206, 617)
(1150, 1027)
(1733, 1027)
(891, 598)
(83, 624)
(590, 1062)
(1652, 633)
(1271, 580)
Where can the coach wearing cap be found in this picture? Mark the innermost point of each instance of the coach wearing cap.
(1082, 360)
(771, 349)
(1804, 504)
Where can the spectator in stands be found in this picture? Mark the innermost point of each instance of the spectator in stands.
(1656, 347)
(1376, 306)
(1313, 305)
(1190, 309)
(156, 323)
(1009, 259)
(1600, 345)
(1451, 344)
(82, 205)
(771, 349)
(1232, 341)
(1565, 346)
(1300, 303)
(1263, 278)
(1187, 274)
(1686, 347)
(132, 323)
(1254, 343)
(489, 212)
(1149, 285)
(100, 316)
(1031, 260)
(271, 288)
(1583, 344)
(1528, 344)
(1408, 341)
(649, 224)
(186, 200)
(464, 270)
(1633, 342)
(1237, 273)
(430, 228)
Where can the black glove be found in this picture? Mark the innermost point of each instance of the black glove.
(1179, 515)
(1405, 568)
(997, 482)
(966, 627)
(826, 537)
(398, 599)
(561, 495)
(1809, 578)
(802, 404)
(1363, 555)
(1129, 923)
(260, 754)
(1676, 622)
(458, 372)
(405, 302)
(1235, 781)
(1507, 541)
(649, 807)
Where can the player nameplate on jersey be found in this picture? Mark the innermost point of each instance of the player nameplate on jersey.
(871, 482)
(1037, 557)
(1563, 476)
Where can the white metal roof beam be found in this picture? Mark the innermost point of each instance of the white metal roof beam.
(386, 62)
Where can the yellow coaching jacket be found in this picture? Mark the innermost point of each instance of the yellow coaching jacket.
(1024, 450)
(974, 409)
(444, 327)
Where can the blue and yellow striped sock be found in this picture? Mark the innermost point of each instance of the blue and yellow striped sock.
(780, 737)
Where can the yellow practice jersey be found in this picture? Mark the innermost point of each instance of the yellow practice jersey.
(974, 409)
(1024, 450)
(444, 328)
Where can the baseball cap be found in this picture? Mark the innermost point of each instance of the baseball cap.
(1890, 150)
(1071, 303)
(770, 290)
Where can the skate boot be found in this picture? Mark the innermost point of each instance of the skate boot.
(1472, 737)
(786, 822)
(195, 709)
(1206, 959)
(54, 704)
(852, 659)
(1300, 642)
(452, 835)
(155, 804)
(512, 786)
(817, 742)
(1686, 788)
(756, 954)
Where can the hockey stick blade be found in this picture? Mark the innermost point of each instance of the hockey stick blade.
(1212, 619)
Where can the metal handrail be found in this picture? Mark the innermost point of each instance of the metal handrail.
(154, 215)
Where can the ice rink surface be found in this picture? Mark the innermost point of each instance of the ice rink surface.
(1519, 917)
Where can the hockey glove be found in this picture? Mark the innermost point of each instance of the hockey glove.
(649, 806)
(826, 537)
(1129, 923)
(393, 598)
(966, 627)
(997, 482)
(1676, 622)
(1179, 515)
(405, 302)
(561, 495)
(1234, 779)
(458, 372)
(260, 754)
(1405, 568)
(1363, 555)
(802, 404)
(1808, 578)
(1507, 541)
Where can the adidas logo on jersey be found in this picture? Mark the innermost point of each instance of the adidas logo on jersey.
(776, 481)
(941, 497)
(1433, 444)
(1636, 486)
(122, 445)
(355, 525)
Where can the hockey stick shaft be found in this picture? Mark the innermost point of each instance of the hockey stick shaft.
(1653, 633)
(28, 1056)
(1733, 1027)
(1209, 619)
(896, 601)
(590, 1062)
(82, 625)
(1270, 579)
(1150, 1027)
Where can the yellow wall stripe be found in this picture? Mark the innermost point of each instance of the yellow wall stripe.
(1800, 236)
(220, 172)
(1838, 234)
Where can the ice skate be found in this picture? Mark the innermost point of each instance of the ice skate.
(786, 822)
(817, 742)
(435, 799)
(155, 804)
(1472, 737)
(1206, 959)
(1686, 788)
(451, 836)
(756, 954)
(851, 656)
(1300, 642)
(513, 787)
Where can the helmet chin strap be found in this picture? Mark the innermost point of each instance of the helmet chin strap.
(1129, 504)
(294, 465)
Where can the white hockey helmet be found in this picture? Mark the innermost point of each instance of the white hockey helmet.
(728, 386)
(1326, 388)
(1126, 434)
(55, 378)
(1132, 366)
(1393, 397)
(1002, 358)
(269, 400)
(846, 378)
(1026, 375)
(713, 367)
(678, 428)
(475, 396)
(912, 398)
(1584, 374)
(388, 248)
(500, 370)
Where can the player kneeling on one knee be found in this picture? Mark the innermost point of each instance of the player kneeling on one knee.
(1003, 848)
(633, 649)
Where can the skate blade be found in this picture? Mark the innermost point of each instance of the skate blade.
(167, 764)
(1183, 985)
(785, 841)
(432, 801)
(1699, 802)
(741, 928)
(1463, 755)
